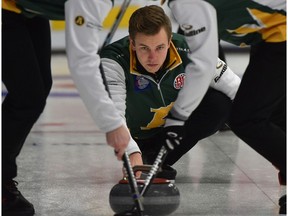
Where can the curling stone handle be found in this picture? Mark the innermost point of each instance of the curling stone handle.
(143, 168)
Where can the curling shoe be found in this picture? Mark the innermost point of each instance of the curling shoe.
(13, 202)
(282, 204)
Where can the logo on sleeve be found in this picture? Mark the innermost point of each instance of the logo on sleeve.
(179, 81)
(79, 20)
(219, 64)
(189, 31)
(216, 79)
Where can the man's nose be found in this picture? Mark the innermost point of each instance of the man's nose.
(152, 54)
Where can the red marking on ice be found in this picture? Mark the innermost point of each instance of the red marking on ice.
(52, 124)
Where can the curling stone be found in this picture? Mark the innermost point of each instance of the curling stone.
(161, 198)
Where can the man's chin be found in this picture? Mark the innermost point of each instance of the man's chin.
(151, 70)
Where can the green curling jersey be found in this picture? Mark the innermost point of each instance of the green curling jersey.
(51, 9)
(247, 22)
(149, 98)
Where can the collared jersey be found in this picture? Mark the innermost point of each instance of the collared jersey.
(149, 98)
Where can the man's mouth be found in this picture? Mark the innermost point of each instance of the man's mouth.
(152, 65)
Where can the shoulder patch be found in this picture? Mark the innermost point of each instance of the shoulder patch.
(179, 81)
(141, 83)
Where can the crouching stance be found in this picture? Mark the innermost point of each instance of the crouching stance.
(147, 73)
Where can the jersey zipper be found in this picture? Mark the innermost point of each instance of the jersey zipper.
(158, 85)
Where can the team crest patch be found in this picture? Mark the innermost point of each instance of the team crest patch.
(79, 20)
(141, 83)
(179, 81)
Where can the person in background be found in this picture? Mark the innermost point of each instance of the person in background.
(146, 75)
(26, 40)
(258, 115)
(221, 55)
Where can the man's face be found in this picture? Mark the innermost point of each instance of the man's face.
(151, 50)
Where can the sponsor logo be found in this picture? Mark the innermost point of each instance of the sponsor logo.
(93, 25)
(179, 81)
(216, 79)
(112, 82)
(120, 56)
(188, 30)
(79, 20)
(183, 49)
(219, 64)
(186, 27)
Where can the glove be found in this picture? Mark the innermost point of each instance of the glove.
(173, 133)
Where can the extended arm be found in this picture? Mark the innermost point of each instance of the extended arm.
(116, 82)
(198, 21)
(83, 22)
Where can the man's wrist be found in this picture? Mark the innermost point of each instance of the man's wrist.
(135, 153)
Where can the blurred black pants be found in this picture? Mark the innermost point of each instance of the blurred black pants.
(259, 110)
(26, 73)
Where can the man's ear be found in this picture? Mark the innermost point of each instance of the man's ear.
(132, 44)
